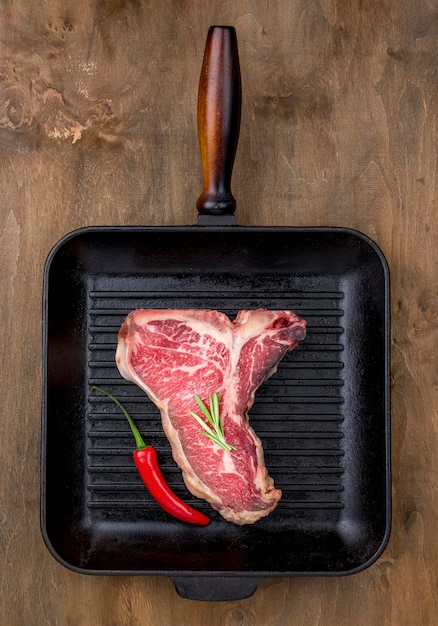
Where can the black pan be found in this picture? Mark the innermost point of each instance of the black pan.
(323, 417)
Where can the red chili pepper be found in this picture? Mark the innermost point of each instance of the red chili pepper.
(146, 462)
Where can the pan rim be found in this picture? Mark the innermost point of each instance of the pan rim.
(216, 228)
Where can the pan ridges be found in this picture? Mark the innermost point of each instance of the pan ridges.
(298, 413)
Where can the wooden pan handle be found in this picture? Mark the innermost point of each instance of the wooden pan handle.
(219, 106)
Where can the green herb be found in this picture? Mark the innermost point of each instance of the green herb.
(213, 428)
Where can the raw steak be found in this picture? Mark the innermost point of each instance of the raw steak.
(174, 354)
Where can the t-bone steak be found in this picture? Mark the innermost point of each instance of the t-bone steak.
(173, 355)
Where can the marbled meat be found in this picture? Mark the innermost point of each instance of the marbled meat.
(173, 355)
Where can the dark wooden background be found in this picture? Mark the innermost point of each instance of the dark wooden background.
(340, 127)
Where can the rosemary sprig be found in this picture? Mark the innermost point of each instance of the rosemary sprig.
(213, 428)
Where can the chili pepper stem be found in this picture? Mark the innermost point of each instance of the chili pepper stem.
(139, 442)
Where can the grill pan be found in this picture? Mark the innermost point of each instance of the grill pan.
(323, 417)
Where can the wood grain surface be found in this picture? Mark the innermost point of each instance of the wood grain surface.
(339, 127)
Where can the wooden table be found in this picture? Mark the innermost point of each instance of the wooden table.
(340, 127)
